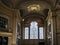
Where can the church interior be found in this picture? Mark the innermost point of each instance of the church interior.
(29, 22)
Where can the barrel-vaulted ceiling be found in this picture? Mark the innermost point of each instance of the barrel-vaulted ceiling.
(41, 7)
(14, 3)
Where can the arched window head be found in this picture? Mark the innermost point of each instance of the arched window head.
(33, 23)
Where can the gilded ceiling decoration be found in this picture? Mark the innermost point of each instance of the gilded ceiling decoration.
(34, 7)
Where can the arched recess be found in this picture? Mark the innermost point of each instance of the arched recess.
(44, 7)
(39, 16)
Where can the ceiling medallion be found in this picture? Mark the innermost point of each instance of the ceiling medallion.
(34, 7)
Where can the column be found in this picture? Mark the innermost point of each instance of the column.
(54, 26)
(14, 27)
(14, 31)
(22, 29)
(45, 32)
(9, 40)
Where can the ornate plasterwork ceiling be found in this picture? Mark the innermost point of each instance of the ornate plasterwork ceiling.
(36, 7)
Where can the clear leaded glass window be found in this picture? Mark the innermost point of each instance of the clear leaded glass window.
(3, 24)
(34, 30)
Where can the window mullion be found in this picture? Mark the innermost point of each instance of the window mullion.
(38, 32)
(29, 32)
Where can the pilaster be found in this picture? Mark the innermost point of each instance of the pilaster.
(54, 27)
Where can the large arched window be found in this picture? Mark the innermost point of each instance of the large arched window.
(33, 31)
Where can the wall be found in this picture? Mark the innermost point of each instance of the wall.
(55, 28)
(13, 18)
(58, 27)
(29, 42)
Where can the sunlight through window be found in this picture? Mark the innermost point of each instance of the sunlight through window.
(33, 32)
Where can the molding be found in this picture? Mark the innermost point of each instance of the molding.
(7, 34)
